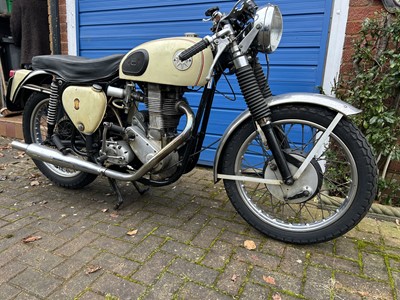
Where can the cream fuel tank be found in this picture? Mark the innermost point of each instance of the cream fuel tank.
(157, 62)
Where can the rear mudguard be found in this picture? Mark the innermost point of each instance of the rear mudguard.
(23, 84)
(292, 98)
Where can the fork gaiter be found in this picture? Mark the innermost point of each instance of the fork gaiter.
(251, 92)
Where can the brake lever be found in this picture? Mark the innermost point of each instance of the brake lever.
(221, 43)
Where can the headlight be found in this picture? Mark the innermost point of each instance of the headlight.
(269, 18)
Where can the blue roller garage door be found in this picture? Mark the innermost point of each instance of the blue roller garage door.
(108, 27)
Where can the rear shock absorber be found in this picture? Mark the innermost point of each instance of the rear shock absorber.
(52, 109)
(258, 106)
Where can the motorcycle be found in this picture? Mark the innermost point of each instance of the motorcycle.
(293, 165)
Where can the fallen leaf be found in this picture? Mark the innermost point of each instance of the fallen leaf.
(3, 166)
(104, 210)
(20, 154)
(34, 176)
(234, 277)
(5, 147)
(30, 239)
(114, 215)
(269, 279)
(1, 155)
(363, 294)
(91, 269)
(276, 296)
(249, 245)
(132, 232)
(35, 183)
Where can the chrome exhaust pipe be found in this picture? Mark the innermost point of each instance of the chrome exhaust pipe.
(43, 153)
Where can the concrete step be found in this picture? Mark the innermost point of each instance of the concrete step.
(11, 127)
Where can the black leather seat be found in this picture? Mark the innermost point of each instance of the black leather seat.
(77, 68)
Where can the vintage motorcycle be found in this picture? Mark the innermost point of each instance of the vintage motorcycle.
(293, 165)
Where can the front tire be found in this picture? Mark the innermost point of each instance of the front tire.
(34, 127)
(341, 179)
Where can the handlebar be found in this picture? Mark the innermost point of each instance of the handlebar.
(193, 50)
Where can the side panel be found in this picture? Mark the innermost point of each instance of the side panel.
(85, 106)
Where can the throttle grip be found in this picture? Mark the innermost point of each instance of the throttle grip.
(191, 51)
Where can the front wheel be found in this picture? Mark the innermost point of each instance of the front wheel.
(333, 193)
(34, 127)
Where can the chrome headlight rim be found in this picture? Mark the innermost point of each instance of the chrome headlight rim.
(269, 20)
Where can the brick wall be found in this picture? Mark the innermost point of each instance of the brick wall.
(63, 26)
(358, 11)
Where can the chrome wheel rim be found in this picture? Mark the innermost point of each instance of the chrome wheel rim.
(328, 205)
(39, 132)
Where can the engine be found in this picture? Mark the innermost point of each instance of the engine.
(150, 129)
(163, 116)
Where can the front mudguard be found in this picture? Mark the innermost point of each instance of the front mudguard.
(23, 84)
(291, 98)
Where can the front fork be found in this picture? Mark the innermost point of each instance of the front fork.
(256, 92)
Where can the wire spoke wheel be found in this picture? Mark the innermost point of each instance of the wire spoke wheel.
(39, 132)
(35, 131)
(330, 196)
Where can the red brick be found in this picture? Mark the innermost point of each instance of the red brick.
(3, 131)
(353, 28)
(361, 13)
(346, 68)
(10, 130)
(63, 26)
(64, 48)
(358, 3)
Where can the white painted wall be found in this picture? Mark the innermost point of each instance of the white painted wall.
(71, 27)
(337, 34)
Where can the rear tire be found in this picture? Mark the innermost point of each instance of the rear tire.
(34, 127)
(342, 178)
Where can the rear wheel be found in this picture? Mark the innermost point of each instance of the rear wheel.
(332, 195)
(35, 131)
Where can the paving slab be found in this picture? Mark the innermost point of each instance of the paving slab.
(188, 245)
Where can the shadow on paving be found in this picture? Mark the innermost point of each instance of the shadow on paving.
(183, 241)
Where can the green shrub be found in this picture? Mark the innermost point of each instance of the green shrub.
(374, 87)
